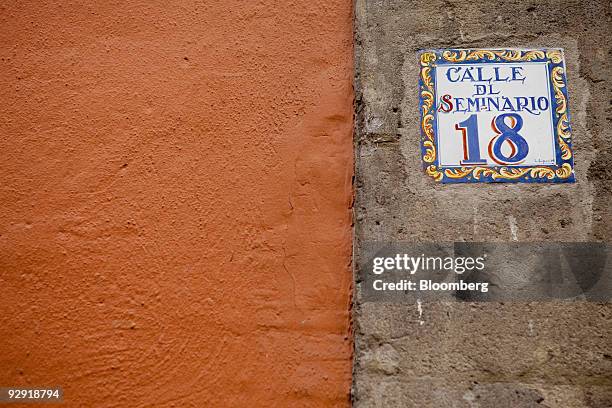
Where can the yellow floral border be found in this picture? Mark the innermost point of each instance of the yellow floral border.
(496, 173)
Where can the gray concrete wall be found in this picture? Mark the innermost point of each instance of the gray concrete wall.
(538, 354)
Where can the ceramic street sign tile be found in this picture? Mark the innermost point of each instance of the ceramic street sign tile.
(495, 115)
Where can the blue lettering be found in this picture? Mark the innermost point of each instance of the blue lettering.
(467, 74)
(448, 73)
(516, 75)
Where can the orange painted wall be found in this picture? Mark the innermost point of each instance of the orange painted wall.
(175, 223)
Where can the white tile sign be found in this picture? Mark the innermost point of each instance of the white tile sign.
(495, 115)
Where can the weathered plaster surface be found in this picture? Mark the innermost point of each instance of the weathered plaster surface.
(175, 222)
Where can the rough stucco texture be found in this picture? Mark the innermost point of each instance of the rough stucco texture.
(175, 227)
(466, 355)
